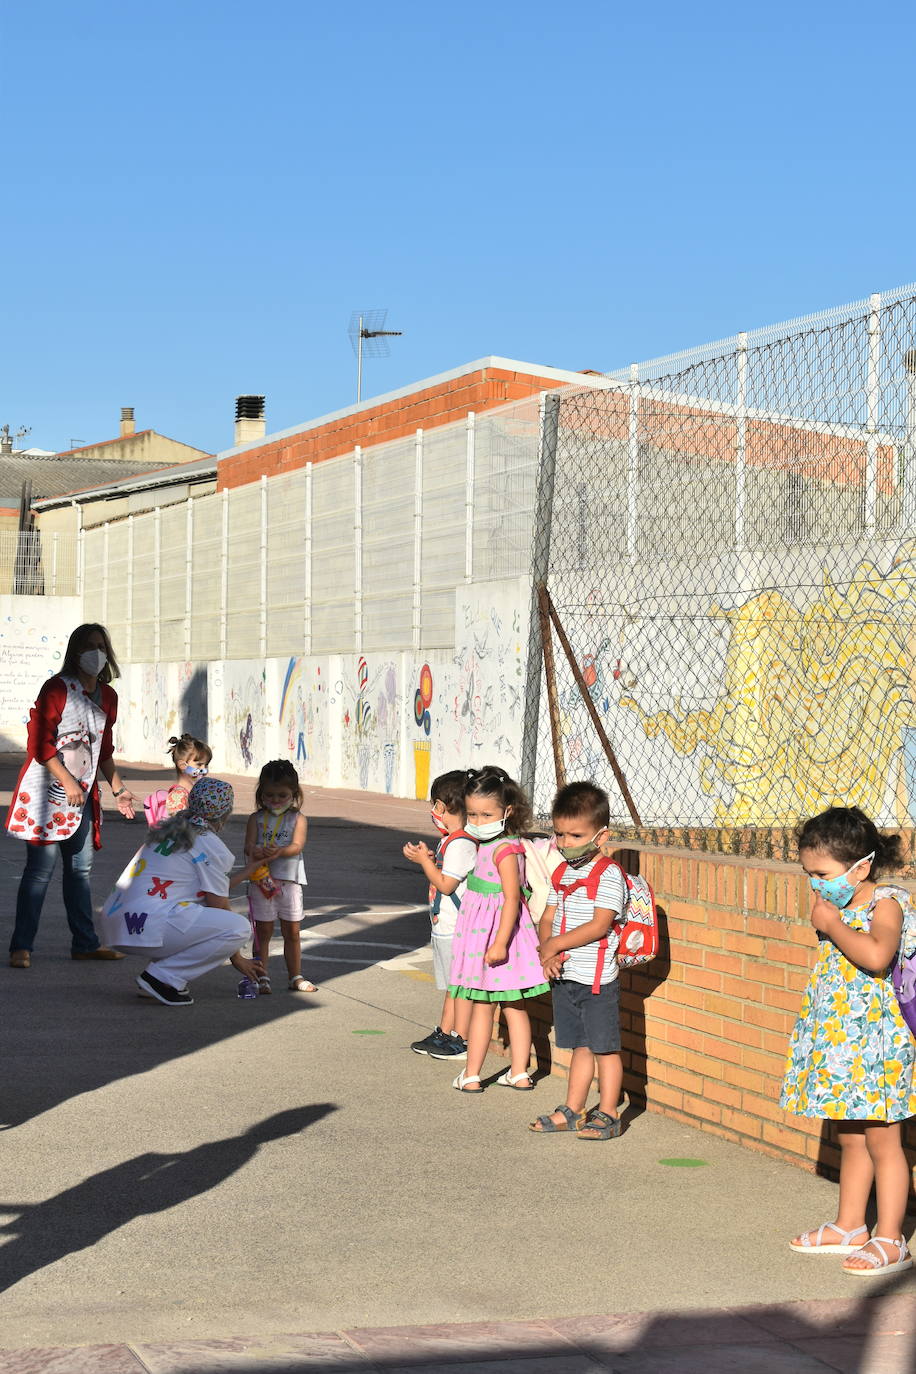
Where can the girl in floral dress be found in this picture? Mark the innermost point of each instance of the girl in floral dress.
(851, 1056)
(494, 949)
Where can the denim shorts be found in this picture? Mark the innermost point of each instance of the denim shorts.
(587, 1020)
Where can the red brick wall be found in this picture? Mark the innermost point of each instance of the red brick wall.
(706, 1025)
(436, 405)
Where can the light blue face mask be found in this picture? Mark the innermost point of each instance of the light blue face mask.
(490, 831)
(840, 891)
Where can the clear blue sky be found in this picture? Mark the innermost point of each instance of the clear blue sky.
(198, 194)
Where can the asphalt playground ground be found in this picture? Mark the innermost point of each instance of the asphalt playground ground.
(281, 1184)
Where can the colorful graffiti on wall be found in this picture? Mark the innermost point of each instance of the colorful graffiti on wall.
(816, 705)
(371, 720)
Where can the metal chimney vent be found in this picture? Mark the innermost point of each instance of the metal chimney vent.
(249, 407)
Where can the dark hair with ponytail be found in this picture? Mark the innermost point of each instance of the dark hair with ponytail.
(847, 835)
(491, 781)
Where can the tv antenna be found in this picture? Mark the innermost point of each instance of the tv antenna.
(369, 336)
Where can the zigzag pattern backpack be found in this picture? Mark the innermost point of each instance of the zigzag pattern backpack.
(637, 925)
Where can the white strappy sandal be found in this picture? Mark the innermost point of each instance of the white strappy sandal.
(514, 1080)
(463, 1078)
(881, 1264)
(818, 1246)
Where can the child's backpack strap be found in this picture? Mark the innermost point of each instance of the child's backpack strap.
(440, 855)
(455, 835)
(590, 883)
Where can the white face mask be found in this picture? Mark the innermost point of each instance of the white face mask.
(488, 831)
(92, 661)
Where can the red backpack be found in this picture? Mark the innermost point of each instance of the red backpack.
(637, 924)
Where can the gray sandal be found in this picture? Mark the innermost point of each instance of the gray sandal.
(545, 1125)
(606, 1127)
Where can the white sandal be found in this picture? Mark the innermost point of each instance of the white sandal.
(263, 985)
(512, 1080)
(300, 983)
(818, 1246)
(463, 1078)
(880, 1264)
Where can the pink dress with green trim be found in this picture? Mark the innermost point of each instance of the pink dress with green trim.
(478, 920)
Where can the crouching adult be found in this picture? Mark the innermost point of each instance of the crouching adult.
(172, 900)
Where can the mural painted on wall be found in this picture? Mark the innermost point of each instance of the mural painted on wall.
(33, 637)
(243, 687)
(487, 704)
(422, 745)
(807, 706)
(302, 716)
(371, 713)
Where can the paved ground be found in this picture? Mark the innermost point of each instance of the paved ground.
(180, 1186)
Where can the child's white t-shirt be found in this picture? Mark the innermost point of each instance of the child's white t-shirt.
(582, 962)
(169, 884)
(460, 858)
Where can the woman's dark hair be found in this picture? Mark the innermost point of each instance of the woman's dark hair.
(491, 781)
(186, 747)
(448, 789)
(76, 644)
(847, 835)
(582, 799)
(281, 773)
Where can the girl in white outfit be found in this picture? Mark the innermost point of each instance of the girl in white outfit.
(173, 900)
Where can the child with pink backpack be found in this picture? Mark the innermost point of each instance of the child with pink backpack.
(191, 758)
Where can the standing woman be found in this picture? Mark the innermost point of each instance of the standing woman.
(56, 802)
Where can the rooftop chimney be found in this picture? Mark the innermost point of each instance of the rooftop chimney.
(127, 421)
(249, 419)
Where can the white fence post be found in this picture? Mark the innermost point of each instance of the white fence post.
(54, 539)
(157, 583)
(130, 588)
(872, 401)
(188, 577)
(80, 550)
(633, 465)
(224, 579)
(262, 613)
(358, 548)
(307, 625)
(469, 498)
(741, 447)
(105, 528)
(418, 541)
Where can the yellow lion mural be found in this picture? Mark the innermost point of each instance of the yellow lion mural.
(816, 704)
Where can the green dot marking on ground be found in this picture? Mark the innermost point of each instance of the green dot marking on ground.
(684, 1163)
(368, 1032)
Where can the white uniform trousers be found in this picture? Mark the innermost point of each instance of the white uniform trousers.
(199, 945)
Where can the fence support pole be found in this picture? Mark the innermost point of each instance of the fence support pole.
(633, 465)
(105, 529)
(188, 577)
(307, 626)
(54, 539)
(741, 447)
(592, 711)
(130, 588)
(157, 584)
(550, 677)
(262, 595)
(873, 401)
(80, 551)
(224, 579)
(548, 432)
(418, 542)
(471, 423)
(358, 549)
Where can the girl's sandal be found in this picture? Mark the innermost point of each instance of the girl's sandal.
(300, 984)
(545, 1125)
(880, 1264)
(264, 985)
(605, 1127)
(514, 1080)
(463, 1078)
(813, 1243)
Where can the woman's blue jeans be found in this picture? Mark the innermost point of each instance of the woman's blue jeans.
(76, 856)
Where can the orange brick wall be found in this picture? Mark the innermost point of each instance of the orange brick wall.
(437, 405)
(706, 1025)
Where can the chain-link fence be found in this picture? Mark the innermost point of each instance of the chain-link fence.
(729, 541)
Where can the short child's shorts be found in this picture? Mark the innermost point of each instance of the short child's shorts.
(442, 959)
(587, 1020)
(286, 905)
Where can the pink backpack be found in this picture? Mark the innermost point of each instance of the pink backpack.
(156, 806)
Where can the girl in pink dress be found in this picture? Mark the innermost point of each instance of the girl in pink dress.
(494, 951)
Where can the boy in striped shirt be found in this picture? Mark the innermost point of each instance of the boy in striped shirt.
(578, 949)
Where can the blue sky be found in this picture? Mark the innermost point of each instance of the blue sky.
(198, 195)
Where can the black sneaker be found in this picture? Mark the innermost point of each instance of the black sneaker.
(163, 992)
(452, 1047)
(434, 1041)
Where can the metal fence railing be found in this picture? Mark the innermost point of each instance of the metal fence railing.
(728, 538)
(36, 564)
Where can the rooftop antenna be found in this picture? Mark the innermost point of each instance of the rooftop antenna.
(367, 332)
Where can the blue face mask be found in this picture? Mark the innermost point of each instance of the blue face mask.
(840, 891)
